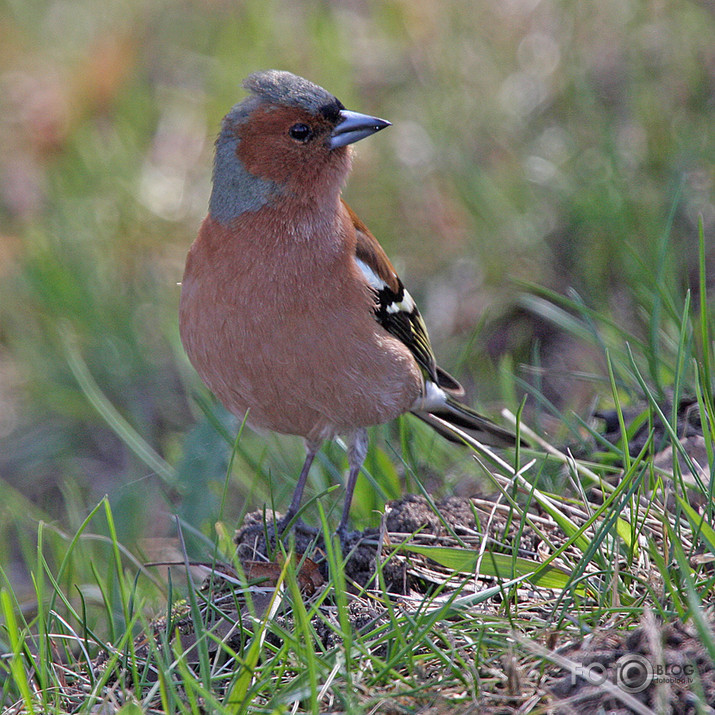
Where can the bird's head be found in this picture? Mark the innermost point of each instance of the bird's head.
(289, 139)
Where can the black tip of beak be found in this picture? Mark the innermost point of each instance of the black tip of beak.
(353, 127)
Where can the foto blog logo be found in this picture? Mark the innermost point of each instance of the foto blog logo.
(634, 673)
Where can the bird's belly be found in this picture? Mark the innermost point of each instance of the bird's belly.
(293, 372)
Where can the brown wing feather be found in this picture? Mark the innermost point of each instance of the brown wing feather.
(394, 308)
(370, 252)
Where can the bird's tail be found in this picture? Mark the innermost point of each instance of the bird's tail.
(467, 420)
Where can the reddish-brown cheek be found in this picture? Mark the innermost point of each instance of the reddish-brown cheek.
(265, 148)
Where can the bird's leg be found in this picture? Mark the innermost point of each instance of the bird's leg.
(311, 449)
(357, 451)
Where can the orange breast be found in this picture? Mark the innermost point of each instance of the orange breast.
(302, 354)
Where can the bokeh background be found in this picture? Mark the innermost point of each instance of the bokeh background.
(564, 144)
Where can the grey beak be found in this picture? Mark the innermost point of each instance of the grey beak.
(353, 127)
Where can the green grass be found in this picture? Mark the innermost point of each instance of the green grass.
(641, 547)
(546, 192)
(110, 120)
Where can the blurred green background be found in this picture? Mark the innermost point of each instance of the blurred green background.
(549, 142)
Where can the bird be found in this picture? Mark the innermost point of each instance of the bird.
(290, 310)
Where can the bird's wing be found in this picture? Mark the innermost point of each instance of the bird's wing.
(395, 308)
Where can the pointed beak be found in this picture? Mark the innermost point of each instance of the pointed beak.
(353, 127)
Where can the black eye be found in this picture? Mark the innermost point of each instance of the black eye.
(300, 132)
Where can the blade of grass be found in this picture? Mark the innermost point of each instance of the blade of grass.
(237, 698)
(625, 450)
(698, 524)
(17, 642)
(106, 409)
(705, 631)
(43, 677)
(675, 440)
(704, 322)
(493, 564)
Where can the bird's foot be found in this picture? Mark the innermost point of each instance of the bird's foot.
(348, 539)
(297, 525)
(342, 533)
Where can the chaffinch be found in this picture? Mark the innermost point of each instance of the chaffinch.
(290, 311)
